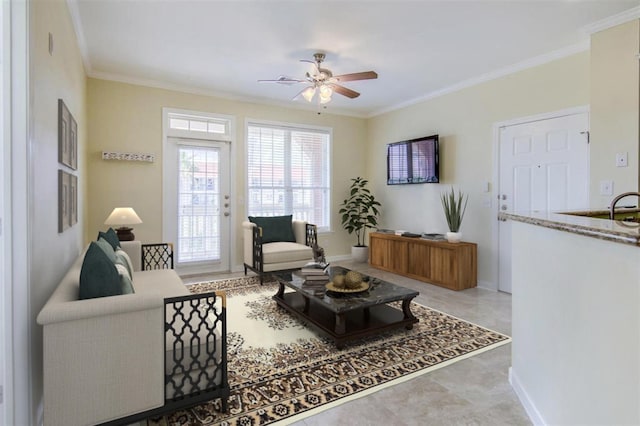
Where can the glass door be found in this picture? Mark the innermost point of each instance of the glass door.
(202, 206)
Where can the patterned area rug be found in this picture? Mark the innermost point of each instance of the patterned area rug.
(281, 370)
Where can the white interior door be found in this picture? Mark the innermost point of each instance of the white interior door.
(198, 205)
(544, 165)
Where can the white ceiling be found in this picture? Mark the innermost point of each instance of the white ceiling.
(418, 48)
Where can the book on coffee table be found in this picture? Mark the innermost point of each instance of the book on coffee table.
(314, 268)
(315, 283)
(316, 277)
(317, 287)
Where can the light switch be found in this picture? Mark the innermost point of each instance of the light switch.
(621, 159)
(606, 187)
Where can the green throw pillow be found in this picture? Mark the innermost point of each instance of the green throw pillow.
(275, 228)
(111, 236)
(98, 276)
(107, 249)
(122, 258)
(125, 279)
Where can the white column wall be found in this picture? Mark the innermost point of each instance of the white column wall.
(576, 327)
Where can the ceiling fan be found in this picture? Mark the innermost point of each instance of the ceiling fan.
(323, 81)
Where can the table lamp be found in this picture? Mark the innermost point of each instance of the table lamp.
(123, 216)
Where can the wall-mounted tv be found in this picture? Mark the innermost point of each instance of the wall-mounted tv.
(413, 161)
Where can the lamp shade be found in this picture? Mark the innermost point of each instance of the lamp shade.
(123, 216)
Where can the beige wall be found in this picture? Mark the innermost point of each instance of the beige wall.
(128, 118)
(464, 120)
(615, 109)
(59, 75)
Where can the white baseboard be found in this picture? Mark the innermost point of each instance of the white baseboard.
(237, 268)
(487, 285)
(240, 267)
(338, 258)
(523, 396)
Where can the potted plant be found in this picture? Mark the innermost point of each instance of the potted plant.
(359, 212)
(454, 209)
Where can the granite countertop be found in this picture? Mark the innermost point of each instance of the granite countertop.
(580, 222)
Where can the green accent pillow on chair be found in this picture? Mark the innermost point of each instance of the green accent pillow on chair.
(275, 228)
(111, 236)
(98, 276)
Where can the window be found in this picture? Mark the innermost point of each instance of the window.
(198, 206)
(288, 170)
(198, 124)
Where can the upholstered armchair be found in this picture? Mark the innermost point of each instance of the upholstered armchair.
(277, 244)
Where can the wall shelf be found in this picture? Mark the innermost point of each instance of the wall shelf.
(128, 156)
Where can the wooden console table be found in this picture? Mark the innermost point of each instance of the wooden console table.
(450, 265)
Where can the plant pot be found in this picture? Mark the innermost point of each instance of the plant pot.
(360, 253)
(454, 237)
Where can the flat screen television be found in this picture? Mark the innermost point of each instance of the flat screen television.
(413, 161)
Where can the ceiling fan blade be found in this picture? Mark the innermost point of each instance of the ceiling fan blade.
(366, 75)
(283, 80)
(344, 91)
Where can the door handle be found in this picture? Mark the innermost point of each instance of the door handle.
(227, 213)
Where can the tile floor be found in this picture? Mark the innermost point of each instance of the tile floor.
(475, 391)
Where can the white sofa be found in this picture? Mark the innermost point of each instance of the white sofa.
(104, 358)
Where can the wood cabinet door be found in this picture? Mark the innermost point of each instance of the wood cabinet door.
(443, 266)
(419, 260)
(380, 252)
(388, 254)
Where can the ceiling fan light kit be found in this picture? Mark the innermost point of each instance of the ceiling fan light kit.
(323, 81)
(308, 93)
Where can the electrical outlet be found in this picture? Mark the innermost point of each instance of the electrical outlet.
(622, 159)
(606, 187)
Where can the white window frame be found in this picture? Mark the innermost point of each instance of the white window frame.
(168, 134)
(293, 126)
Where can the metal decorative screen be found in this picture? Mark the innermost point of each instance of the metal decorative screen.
(196, 351)
(157, 256)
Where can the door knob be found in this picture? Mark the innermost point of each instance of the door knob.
(503, 207)
(227, 213)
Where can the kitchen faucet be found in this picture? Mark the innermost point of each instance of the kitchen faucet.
(618, 198)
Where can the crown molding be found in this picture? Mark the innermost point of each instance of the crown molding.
(74, 11)
(222, 95)
(493, 75)
(612, 21)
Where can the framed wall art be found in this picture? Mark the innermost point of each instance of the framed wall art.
(64, 184)
(67, 137)
(73, 200)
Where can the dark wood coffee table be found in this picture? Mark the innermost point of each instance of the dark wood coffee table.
(346, 316)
